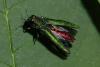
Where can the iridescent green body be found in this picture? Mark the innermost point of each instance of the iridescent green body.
(45, 25)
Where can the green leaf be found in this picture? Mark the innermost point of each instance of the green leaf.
(84, 53)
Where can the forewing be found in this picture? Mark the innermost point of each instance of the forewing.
(62, 22)
(57, 41)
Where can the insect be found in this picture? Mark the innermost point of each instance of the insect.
(61, 32)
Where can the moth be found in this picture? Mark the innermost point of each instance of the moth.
(61, 32)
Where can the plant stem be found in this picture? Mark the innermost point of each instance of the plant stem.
(10, 39)
(6, 12)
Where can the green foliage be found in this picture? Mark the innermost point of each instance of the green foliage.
(16, 48)
(5, 13)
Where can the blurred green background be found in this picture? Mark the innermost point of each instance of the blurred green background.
(84, 53)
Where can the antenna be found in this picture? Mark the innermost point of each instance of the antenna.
(26, 11)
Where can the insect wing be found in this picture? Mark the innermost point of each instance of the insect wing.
(56, 40)
(62, 23)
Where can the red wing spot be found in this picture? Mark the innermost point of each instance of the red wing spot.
(66, 35)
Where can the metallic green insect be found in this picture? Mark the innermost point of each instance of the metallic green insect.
(61, 32)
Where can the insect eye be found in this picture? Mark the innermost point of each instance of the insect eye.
(28, 28)
(32, 20)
